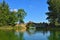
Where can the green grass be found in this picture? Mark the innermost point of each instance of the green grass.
(10, 28)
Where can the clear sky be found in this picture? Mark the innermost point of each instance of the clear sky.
(35, 9)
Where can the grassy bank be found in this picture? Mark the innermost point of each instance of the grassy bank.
(12, 28)
(22, 28)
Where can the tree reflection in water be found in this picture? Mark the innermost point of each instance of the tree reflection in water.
(19, 35)
(11, 35)
(54, 35)
(36, 34)
(7, 35)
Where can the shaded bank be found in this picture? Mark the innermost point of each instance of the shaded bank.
(42, 26)
(37, 25)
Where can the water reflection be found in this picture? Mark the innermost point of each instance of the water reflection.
(19, 35)
(30, 35)
(54, 35)
(7, 35)
(37, 35)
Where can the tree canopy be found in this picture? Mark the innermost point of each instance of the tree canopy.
(8, 17)
(54, 11)
(21, 15)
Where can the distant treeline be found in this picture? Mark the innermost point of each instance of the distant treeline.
(40, 25)
(32, 24)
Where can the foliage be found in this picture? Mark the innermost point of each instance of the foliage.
(4, 10)
(54, 11)
(21, 15)
(8, 17)
(12, 19)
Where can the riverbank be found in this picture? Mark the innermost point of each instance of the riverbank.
(51, 29)
(16, 28)
(21, 28)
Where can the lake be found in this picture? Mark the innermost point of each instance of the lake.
(29, 35)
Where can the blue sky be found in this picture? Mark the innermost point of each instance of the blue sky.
(35, 9)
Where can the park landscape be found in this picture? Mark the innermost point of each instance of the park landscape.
(13, 27)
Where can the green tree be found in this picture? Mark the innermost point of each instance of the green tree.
(6, 16)
(21, 15)
(12, 18)
(54, 10)
(4, 10)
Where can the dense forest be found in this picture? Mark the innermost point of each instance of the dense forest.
(8, 17)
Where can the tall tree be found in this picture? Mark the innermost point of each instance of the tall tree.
(4, 10)
(6, 16)
(21, 15)
(54, 11)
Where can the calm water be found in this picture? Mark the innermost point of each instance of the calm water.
(29, 35)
